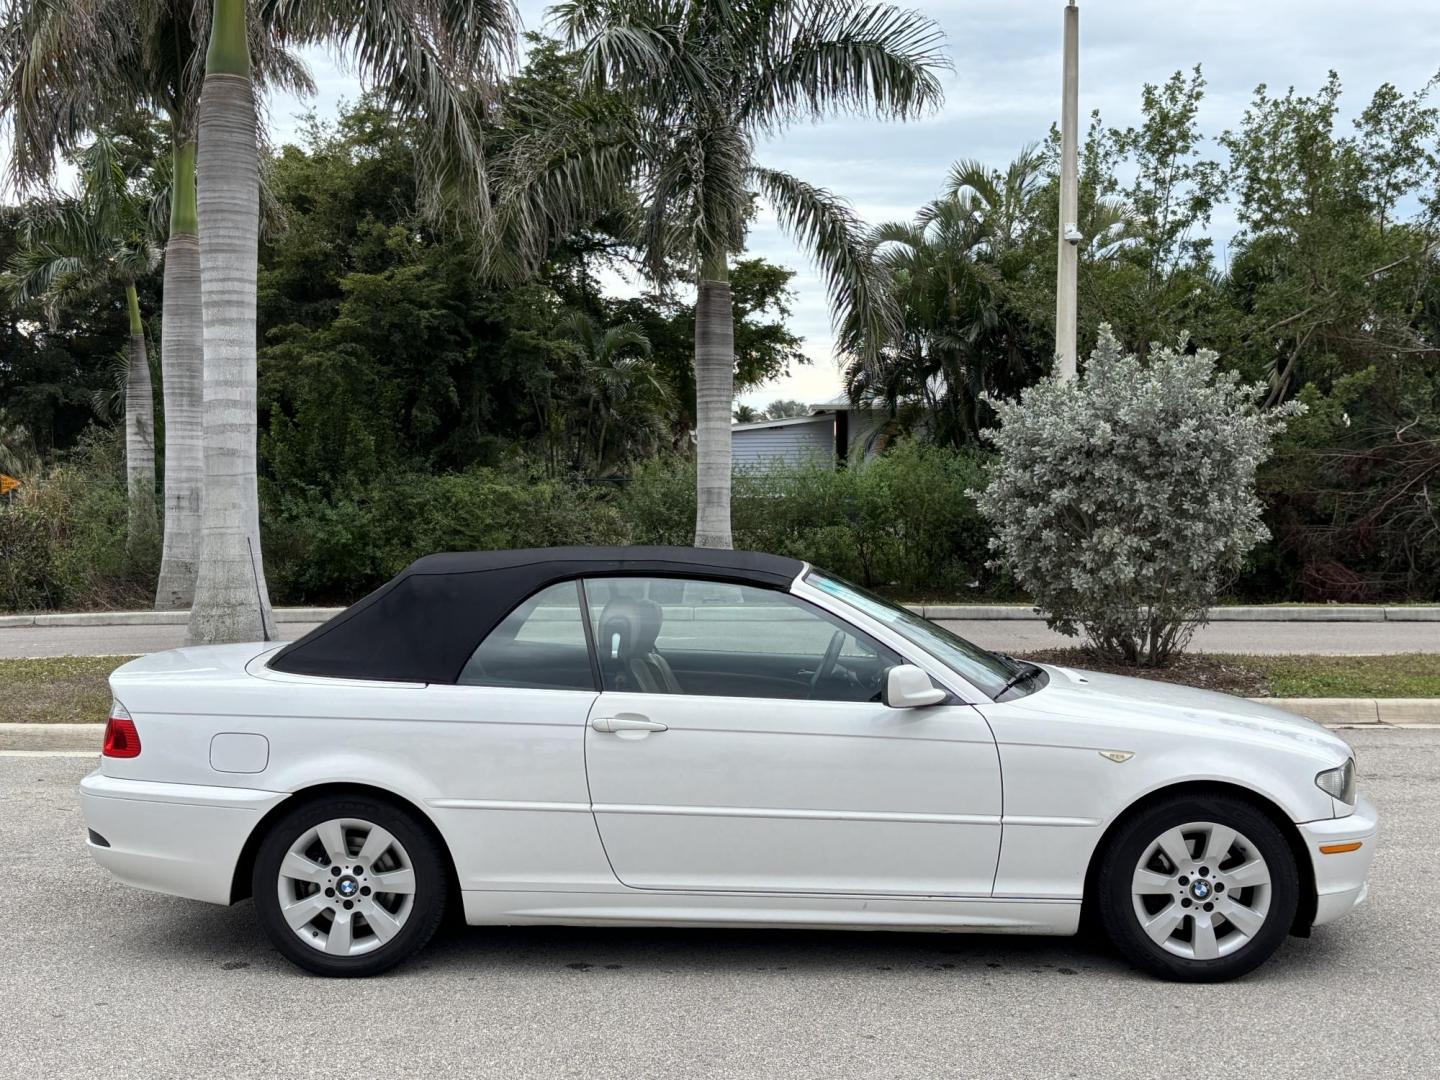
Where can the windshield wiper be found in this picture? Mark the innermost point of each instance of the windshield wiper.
(1022, 676)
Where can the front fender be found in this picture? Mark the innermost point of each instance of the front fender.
(1062, 792)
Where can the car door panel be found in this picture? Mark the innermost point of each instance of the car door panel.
(780, 675)
(796, 796)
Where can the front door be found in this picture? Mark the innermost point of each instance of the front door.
(740, 744)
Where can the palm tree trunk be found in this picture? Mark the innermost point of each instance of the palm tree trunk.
(714, 397)
(182, 371)
(231, 599)
(139, 435)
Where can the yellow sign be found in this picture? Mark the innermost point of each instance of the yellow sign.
(8, 484)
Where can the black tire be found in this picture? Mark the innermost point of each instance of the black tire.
(426, 860)
(1116, 906)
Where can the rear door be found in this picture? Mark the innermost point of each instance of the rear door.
(748, 749)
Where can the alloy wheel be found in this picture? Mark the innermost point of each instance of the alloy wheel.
(1201, 890)
(346, 887)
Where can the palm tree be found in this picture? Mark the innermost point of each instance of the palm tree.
(960, 276)
(67, 65)
(783, 409)
(98, 240)
(66, 68)
(232, 602)
(432, 57)
(702, 82)
(746, 414)
(623, 398)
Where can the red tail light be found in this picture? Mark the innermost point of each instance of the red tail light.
(121, 738)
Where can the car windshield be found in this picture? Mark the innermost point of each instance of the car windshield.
(986, 671)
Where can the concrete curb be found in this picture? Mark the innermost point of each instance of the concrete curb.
(149, 618)
(1372, 713)
(1349, 712)
(1247, 613)
(49, 738)
(955, 612)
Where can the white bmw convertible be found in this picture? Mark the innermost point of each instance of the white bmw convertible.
(679, 737)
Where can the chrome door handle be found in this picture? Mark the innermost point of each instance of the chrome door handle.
(624, 723)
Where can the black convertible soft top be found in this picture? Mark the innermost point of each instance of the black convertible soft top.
(422, 625)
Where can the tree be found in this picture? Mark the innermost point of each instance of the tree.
(783, 408)
(385, 352)
(65, 65)
(70, 67)
(746, 414)
(232, 602)
(956, 277)
(622, 403)
(1125, 501)
(425, 51)
(701, 83)
(98, 240)
(1325, 278)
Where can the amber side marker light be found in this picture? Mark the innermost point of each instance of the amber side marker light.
(1340, 849)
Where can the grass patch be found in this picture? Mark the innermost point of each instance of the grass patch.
(56, 689)
(1406, 675)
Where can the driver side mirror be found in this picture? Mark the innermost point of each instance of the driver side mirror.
(908, 687)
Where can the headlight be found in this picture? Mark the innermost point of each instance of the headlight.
(1339, 783)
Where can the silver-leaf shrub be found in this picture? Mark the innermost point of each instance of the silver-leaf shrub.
(1124, 502)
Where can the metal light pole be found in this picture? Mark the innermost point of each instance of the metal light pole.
(1065, 285)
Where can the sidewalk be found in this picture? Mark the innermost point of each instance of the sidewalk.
(1324, 631)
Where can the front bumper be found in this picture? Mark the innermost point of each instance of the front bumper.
(181, 839)
(1340, 882)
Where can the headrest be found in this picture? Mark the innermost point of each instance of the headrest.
(628, 628)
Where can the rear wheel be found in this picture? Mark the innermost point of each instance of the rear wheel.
(349, 885)
(1198, 889)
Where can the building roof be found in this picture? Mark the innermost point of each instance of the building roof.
(423, 624)
(788, 421)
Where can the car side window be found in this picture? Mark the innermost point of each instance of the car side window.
(540, 645)
(677, 636)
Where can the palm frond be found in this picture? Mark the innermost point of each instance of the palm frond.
(108, 403)
(35, 271)
(575, 163)
(847, 55)
(438, 60)
(827, 228)
(971, 176)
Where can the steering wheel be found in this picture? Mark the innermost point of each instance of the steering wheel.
(827, 663)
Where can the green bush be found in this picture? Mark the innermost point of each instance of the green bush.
(27, 573)
(322, 549)
(904, 522)
(1125, 502)
(62, 545)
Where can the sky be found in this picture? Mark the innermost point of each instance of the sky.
(1005, 91)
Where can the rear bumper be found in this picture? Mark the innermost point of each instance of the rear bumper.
(1340, 883)
(181, 839)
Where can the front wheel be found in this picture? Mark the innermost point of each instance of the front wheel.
(349, 885)
(1198, 888)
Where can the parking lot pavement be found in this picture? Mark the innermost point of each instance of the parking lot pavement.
(1007, 635)
(98, 980)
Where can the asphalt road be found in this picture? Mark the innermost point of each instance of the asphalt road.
(1332, 639)
(97, 980)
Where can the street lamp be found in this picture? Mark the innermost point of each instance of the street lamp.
(1069, 231)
